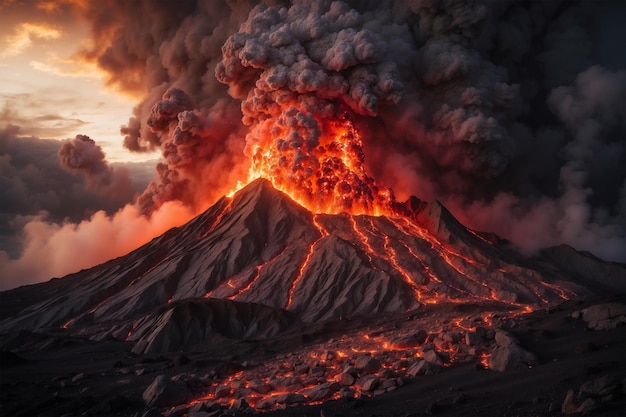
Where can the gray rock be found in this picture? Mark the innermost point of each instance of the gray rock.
(367, 365)
(323, 391)
(506, 358)
(451, 337)
(423, 367)
(369, 383)
(601, 312)
(345, 379)
(239, 404)
(222, 391)
(164, 392)
(504, 338)
(433, 357)
(600, 387)
(260, 386)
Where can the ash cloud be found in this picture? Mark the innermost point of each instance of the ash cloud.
(510, 113)
(458, 101)
(82, 155)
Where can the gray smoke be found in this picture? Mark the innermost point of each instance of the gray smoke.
(508, 112)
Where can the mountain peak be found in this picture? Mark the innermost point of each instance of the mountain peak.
(261, 247)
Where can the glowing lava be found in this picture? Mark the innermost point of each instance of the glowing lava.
(324, 173)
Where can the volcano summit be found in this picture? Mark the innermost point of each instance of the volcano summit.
(257, 268)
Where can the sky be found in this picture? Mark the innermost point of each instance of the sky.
(120, 119)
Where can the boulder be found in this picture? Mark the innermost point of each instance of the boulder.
(433, 357)
(367, 365)
(423, 367)
(506, 358)
(164, 392)
(504, 338)
(260, 386)
(323, 391)
(239, 404)
(345, 378)
(369, 383)
(603, 316)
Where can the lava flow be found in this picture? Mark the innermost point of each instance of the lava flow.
(325, 174)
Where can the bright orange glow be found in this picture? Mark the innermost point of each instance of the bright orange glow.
(326, 177)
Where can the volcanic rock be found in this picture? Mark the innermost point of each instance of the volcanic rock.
(164, 392)
(504, 338)
(433, 357)
(322, 392)
(367, 365)
(509, 357)
(260, 386)
(239, 404)
(423, 367)
(187, 323)
(369, 383)
(345, 378)
(603, 316)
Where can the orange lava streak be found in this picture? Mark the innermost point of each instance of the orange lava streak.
(562, 292)
(323, 234)
(446, 254)
(393, 259)
(256, 276)
(369, 251)
(69, 323)
(220, 216)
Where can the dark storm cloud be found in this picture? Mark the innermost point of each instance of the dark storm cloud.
(32, 182)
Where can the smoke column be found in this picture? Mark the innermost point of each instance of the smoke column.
(510, 113)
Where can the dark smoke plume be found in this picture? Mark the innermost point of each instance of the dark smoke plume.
(499, 109)
(82, 155)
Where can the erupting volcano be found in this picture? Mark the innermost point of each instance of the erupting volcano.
(289, 133)
(328, 176)
(257, 268)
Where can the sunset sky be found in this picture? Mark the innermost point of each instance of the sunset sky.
(46, 88)
(120, 119)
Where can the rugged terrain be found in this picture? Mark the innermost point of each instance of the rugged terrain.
(258, 305)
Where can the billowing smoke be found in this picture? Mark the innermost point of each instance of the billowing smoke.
(511, 113)
(82, 155)
(298, 70)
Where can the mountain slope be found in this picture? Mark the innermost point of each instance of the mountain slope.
(261, 248)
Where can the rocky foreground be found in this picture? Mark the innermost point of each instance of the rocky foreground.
(440, 360)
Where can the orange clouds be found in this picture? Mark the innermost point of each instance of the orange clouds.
(54, 250)
(24, 35)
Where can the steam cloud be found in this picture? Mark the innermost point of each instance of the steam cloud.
(512, 114)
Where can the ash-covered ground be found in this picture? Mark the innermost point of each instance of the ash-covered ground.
(438, 360)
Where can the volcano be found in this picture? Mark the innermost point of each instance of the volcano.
(256, 266)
